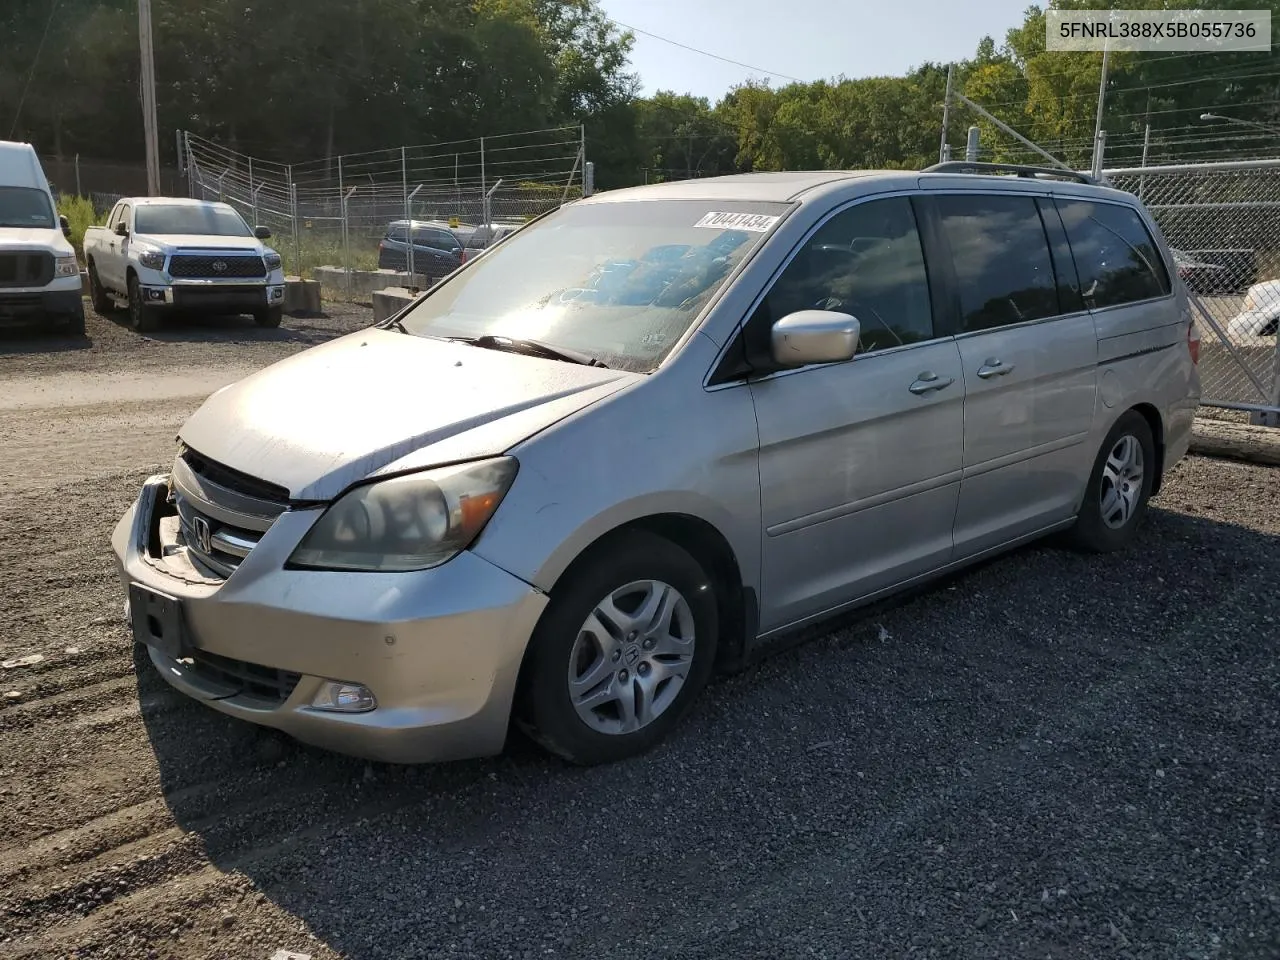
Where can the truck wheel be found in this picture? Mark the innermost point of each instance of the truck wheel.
(141, 317)
(269, 317)
(75, 323)
(102, 302)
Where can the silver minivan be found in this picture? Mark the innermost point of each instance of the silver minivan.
(649, 432)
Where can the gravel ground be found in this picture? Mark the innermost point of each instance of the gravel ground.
(1051, 756)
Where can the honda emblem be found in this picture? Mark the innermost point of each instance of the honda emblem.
(204, 534)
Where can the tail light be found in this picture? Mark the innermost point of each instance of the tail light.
(463, 255)
(1193, 342)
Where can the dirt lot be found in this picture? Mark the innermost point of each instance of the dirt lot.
(1051, 756)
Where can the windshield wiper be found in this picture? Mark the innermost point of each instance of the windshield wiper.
(533, 347)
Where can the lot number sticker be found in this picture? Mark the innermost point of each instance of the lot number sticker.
(755, 222)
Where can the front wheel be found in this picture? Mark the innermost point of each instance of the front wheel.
(622, 650)
(1119, 488)
(141, 317)
(102, 302)
(75, 323)
(270, 317)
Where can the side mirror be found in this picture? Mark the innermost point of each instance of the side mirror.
(65, 224)
(814, 336)
(262, 233)
(122, 229)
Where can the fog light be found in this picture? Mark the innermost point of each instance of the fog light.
(155, 294)
(344, 697)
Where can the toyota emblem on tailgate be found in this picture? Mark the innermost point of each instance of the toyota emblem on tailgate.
(219, 266)
(204, 535)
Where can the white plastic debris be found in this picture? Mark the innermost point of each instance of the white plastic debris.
(22, 661)
(290, 955)
(884, 634)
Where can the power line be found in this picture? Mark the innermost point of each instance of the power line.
(705, 53)
(53, 8)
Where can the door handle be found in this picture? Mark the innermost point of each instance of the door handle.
(994, 368)
(928, 382)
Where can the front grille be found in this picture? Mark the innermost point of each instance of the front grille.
(33, 269)
(250, 679)
(222, 513)
(234, 480)
(216, 267)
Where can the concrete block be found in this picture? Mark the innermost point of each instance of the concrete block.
(388, 302)
(301, 297)
(363, 283)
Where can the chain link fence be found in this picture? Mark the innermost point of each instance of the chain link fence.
(341, 219)
(1223, 222)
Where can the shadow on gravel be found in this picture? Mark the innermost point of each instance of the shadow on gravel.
(16, 341)
(229, 329)
(1051, 755)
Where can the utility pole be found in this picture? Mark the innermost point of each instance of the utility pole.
(1146, 145)
(149, 98)
(944, 151)
(1099, 138)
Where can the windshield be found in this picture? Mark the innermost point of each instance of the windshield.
(191, 219)
(25, 207)
(620, 282)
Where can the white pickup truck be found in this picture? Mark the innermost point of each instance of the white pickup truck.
(165, 254)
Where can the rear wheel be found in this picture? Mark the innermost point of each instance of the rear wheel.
(622, 650)
(141, 317)
(1115, 501)
(102, 301)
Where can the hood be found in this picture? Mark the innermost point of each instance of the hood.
(195, 240)
(378, 400)
(39, 238)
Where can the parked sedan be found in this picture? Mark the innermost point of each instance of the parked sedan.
(1201, 277)
(437, 250)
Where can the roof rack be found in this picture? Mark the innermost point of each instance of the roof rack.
(973, 166)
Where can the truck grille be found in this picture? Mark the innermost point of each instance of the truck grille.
(222, 513)
(32, 269)
(216, 267)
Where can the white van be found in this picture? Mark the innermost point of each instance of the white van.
(39, 273)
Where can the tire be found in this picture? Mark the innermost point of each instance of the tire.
(102, 301)
(142, 318)
(75, 323)
(644, 664)
(1106, 524)
(270, 317)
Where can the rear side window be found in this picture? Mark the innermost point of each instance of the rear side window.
(397, 233)
(1115, 254)
(437, 239)
(1001, 256)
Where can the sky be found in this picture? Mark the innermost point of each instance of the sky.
(804, 39)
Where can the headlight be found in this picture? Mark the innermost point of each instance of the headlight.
(151, 259)
(272, 260)
(413, 522)
(66, 267)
